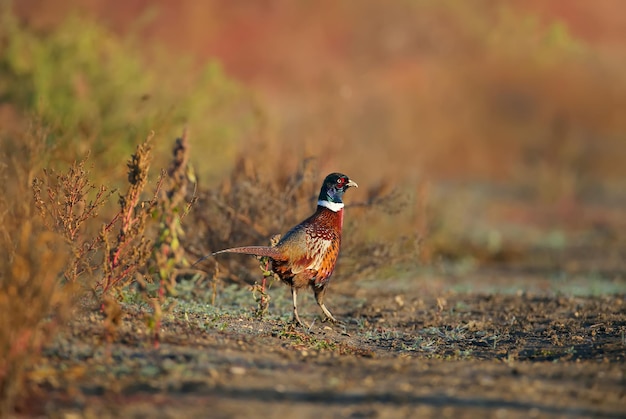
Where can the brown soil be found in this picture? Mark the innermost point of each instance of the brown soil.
(417, 345)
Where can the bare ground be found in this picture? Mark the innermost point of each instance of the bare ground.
(420, 344)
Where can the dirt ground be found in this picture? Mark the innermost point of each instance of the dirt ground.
(421, 344)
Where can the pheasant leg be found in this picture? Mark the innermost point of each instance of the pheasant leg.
(296, 318)
(319, 297)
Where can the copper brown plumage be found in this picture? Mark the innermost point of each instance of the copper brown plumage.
(306, 255)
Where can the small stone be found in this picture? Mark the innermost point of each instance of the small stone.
(237, 370)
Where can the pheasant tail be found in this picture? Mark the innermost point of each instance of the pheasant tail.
(271, 252)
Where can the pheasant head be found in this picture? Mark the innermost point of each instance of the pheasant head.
(333, 188)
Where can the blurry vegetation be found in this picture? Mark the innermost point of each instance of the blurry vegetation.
(55, 252)
(76, 90)
(96, 92)
(428, 91)
(421, 91)
(483, 91)
(65, 93)
(33, 301)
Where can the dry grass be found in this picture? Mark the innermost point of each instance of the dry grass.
(126, 247)
(57, 247)
(33, 302)
(67, 204)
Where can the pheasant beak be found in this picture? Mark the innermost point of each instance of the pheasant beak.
(351, 183)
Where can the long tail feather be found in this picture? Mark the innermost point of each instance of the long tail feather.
(271, 252)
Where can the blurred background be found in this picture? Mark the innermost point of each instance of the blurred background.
(488, 139)
(497, 127)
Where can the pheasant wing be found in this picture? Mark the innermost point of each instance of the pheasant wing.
(314, 246)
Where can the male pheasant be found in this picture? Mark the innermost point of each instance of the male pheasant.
(306, 255)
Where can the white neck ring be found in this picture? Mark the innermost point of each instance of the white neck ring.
(333, 206)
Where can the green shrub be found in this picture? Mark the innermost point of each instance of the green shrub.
(98, 92)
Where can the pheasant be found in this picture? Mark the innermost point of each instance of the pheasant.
(306, 255)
